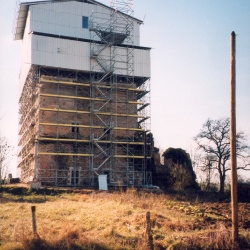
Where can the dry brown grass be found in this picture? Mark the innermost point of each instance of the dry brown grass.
(104, 220)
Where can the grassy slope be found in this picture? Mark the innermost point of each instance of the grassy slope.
(104, 220)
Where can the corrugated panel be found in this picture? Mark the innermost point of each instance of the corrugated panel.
(62, 53)
(142, 62)
(65, 18)
(136, 34)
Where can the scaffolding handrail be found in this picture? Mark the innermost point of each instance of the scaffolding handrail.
(88, 112)
(63, 154)
(84, 98)
(81, 140)
(87, 85)
(25, 158)
(87, 155)
(87, 126)
(61, 139)
(65, 82)
(71, 97)
(130, 156)
(30, 141)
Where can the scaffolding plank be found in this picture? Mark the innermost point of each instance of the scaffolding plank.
(143, 107)
(65, 82)
(87, 85)
(84, 98)
(140, 95)
(88, 112)
(80, 140)
(144, 119)
(129, 129)
(72, 97)
(116, 114)
(134, 102)
(122, 142)
(63, 154)
(88, 126)
(65, 110)
(130, 156)
(61, 139)
(69, 125)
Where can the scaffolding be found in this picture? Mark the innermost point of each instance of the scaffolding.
(125, 157)
(76, 125)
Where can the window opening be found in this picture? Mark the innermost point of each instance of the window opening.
(75, 129)
(85, 22)
(74, 177)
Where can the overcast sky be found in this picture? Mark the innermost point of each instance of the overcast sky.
(190, 66)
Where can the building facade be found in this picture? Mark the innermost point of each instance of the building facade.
(84, 94)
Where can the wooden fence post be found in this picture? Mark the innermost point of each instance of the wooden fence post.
(33, 211)
(149, 236)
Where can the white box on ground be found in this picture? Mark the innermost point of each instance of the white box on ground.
(35, 185)
(103, 185)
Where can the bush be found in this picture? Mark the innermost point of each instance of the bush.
(244, 192)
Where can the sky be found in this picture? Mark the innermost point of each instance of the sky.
(190, 67)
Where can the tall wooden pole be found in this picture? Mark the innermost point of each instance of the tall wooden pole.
(234, 198)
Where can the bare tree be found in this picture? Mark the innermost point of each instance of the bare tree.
(214, 143)
(203, 168)
(5, 155)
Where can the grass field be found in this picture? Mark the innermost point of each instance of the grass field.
(87, 219)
